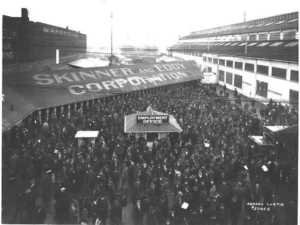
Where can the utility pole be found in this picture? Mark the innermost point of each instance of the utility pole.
(111, 41)
(244, 16)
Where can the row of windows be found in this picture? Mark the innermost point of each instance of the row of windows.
(276, 20)
(272, 35)
(238, 80)
(261, 87)
(239, 44)
(261, 69)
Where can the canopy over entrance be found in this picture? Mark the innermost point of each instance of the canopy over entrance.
(151, 121)
(260, 140)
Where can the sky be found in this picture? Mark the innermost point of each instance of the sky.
(144, 22)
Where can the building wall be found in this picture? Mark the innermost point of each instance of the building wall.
(278, 88)
(35, 41)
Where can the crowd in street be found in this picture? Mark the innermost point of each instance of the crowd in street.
(211, 170)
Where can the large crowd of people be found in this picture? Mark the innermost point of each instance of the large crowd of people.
(208, 174)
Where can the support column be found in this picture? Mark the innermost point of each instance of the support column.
(54, 111)
(62, 110)
(69, 111)
(40, 116)
(75, 106)
(81, 104)
(47, 115)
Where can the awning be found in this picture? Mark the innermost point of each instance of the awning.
(28, 92)
(88, 63)
(260, 140)
(86, 134)
(131, 126)
(277, 130)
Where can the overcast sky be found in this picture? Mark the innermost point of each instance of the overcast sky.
(139, 22)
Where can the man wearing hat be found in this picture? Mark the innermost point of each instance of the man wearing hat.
(235, 209)
(116, 213)
(201, 216)
(222, 215)
(138, 213)
(39, 214)
(102, 209)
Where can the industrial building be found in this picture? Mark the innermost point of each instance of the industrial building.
(259, 58)
(25, 42)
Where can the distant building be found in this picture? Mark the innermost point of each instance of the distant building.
(130, 50)
(25, 41)
(259, 58)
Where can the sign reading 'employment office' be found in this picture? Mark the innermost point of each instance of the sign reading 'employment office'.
(155, 119)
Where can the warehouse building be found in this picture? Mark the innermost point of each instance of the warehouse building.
(27, 43)
(259, 58)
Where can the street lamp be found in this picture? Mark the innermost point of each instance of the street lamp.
(111, 40)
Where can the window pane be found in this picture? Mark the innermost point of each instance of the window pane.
(262, 69)
(204, 58)
(262, 37)
(209, 59)
(252, 37)
(278, 72)
(215, 61)
(288, 35)
(238, 81)
(229, 63)
(229, 78)
(238, 65)
(208, 69)
(222, 62)
(221, 75)
(262, 89)
(275, 36)
(294, 98)
(295, 75)
(249, 67)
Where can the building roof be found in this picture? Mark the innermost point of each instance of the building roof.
(88, 63)
(28, 92)
(278, 130)
(130, 125)
(274, 50)
(278, 22)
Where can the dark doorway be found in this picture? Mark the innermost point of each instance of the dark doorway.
(151, 136)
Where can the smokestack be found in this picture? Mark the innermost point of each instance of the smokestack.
(25, 14)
